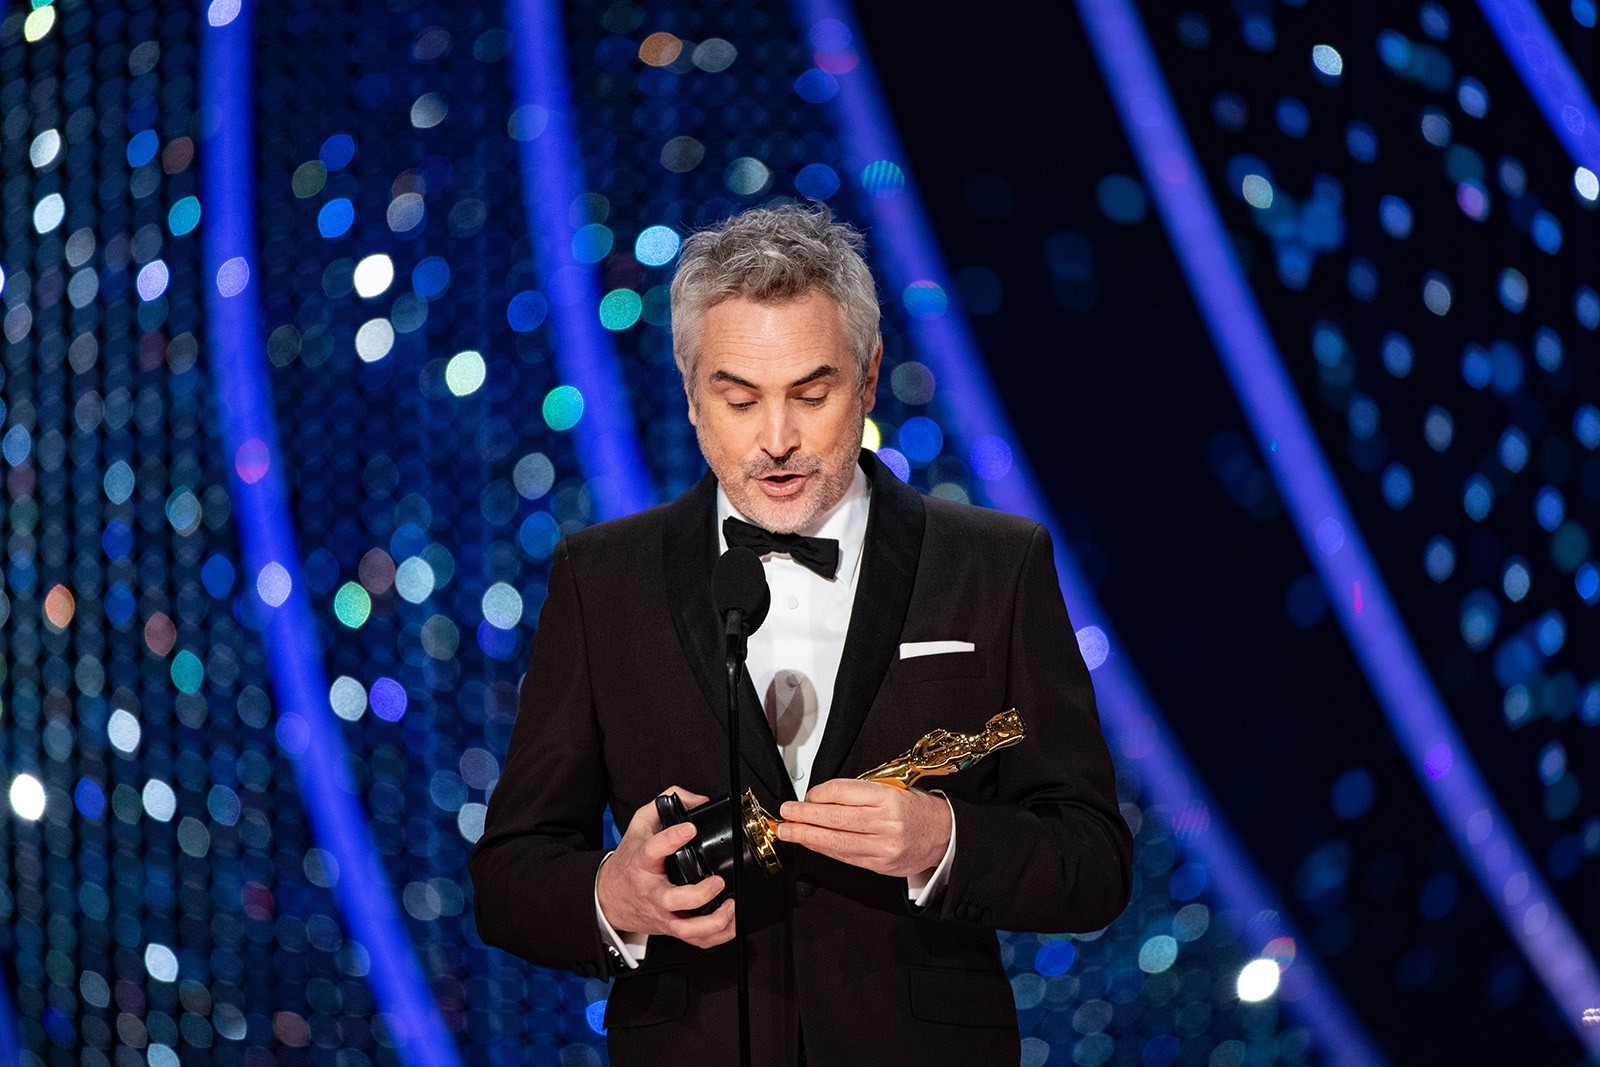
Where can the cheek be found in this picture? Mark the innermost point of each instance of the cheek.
(717, 437)
(843, 425)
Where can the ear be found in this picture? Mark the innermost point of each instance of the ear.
(869, 388)
(689, 398)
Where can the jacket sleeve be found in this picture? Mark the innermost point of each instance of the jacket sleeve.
(1051, 851)
(533, 870)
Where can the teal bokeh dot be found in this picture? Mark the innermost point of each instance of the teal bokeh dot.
(620, 309)
(563, 407)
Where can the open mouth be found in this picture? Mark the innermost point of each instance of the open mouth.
(783, 483)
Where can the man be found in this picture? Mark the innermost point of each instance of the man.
(877, 944)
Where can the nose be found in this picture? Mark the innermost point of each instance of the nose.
(780, 436)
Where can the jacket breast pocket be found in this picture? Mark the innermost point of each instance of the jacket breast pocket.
(644, 998)
(962, 997)
(939, 667)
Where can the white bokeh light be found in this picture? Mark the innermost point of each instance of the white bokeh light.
(1094, 645)
(414, 580)
(152, 280)
(160, 802)
(274, 584)
(27, 797)
(502, 605)
(123, 730)
(1258, 980)
(1257, 191)
(465, 372)
(49, 211)
(38, 23)
(222, 12)
(44, 149)
(348, 698)
(233, 276)
(1327, 60)
(1587, 184)
(161, 962)
(374, 275)
(374, 340)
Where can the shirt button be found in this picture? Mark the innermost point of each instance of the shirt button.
(792, 603)
(805, 887)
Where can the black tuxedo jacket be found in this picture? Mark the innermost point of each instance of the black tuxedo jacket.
(624, 698)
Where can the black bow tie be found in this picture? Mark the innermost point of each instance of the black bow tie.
(817, 554)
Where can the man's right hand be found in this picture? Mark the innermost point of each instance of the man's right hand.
(636, 896)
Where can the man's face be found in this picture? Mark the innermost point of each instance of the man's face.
(778, 407)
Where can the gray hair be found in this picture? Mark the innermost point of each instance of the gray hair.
(771, 255)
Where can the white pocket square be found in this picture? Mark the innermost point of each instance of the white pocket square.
(913, 649)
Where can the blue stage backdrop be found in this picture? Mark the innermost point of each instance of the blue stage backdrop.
(324, 322)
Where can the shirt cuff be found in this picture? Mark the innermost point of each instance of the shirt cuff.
(631, 947)
(921, 888)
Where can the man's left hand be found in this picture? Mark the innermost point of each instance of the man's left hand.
(893, 831)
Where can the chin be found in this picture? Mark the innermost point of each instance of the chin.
(779, 516)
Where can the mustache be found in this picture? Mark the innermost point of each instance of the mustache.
(788, 465)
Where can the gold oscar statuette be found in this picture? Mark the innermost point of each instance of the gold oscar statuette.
(938, 752)
(942, 752)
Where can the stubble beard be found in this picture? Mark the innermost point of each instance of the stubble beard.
(831, 474)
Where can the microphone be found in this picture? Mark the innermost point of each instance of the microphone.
(739, 591)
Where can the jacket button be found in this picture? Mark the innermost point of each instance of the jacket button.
(805, 887)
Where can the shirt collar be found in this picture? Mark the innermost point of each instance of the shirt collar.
(845, 522)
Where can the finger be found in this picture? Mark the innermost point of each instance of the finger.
(728, 928)
(726, 935)
(689, 897)
(690, 799)
(700, 926)
(645, 822)
(664, 843)
(847, 791)
(834, 816)
(839, 844)
(716, 937)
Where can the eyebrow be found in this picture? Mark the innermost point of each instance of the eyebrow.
(825, 371)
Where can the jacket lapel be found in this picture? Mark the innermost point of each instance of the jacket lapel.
(883, 594)
(691, 551)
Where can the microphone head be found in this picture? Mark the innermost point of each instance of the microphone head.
(738, 583)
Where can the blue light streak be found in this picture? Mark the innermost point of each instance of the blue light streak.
(10, 1040)
(307, 727)
(606, 437)
(1416, 713)
(1133, 720)
(1544, 68)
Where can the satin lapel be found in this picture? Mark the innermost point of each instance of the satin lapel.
(691, 550)
(883, 594)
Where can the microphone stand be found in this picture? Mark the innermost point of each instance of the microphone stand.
(738, 647)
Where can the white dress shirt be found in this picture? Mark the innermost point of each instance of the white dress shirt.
(793, 663)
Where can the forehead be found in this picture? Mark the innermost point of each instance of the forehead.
(757, 341)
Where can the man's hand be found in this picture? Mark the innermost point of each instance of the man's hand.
(898, 832)
(636, 896)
